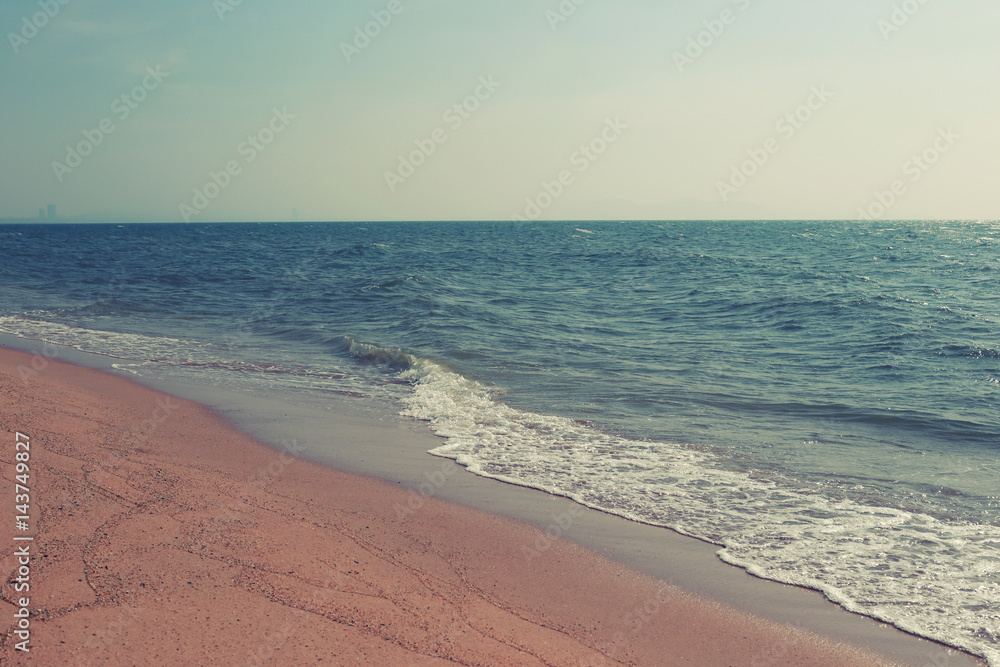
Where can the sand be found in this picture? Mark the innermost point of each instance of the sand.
(164, 536)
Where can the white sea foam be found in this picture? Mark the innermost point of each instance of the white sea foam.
(107, 343)
(921, 574)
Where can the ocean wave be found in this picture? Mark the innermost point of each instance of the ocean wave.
(924, 575)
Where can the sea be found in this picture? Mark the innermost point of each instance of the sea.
(819, 399)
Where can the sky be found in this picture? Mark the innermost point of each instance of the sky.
(245, 110)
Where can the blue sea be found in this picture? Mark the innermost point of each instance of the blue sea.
(819, 399)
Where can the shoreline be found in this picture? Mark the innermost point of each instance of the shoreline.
(191, 474)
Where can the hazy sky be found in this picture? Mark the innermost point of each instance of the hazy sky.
(580, 109)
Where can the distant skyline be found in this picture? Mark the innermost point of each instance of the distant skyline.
(217, 110)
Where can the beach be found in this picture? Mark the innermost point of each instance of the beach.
(164, 536)
(500, 333)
